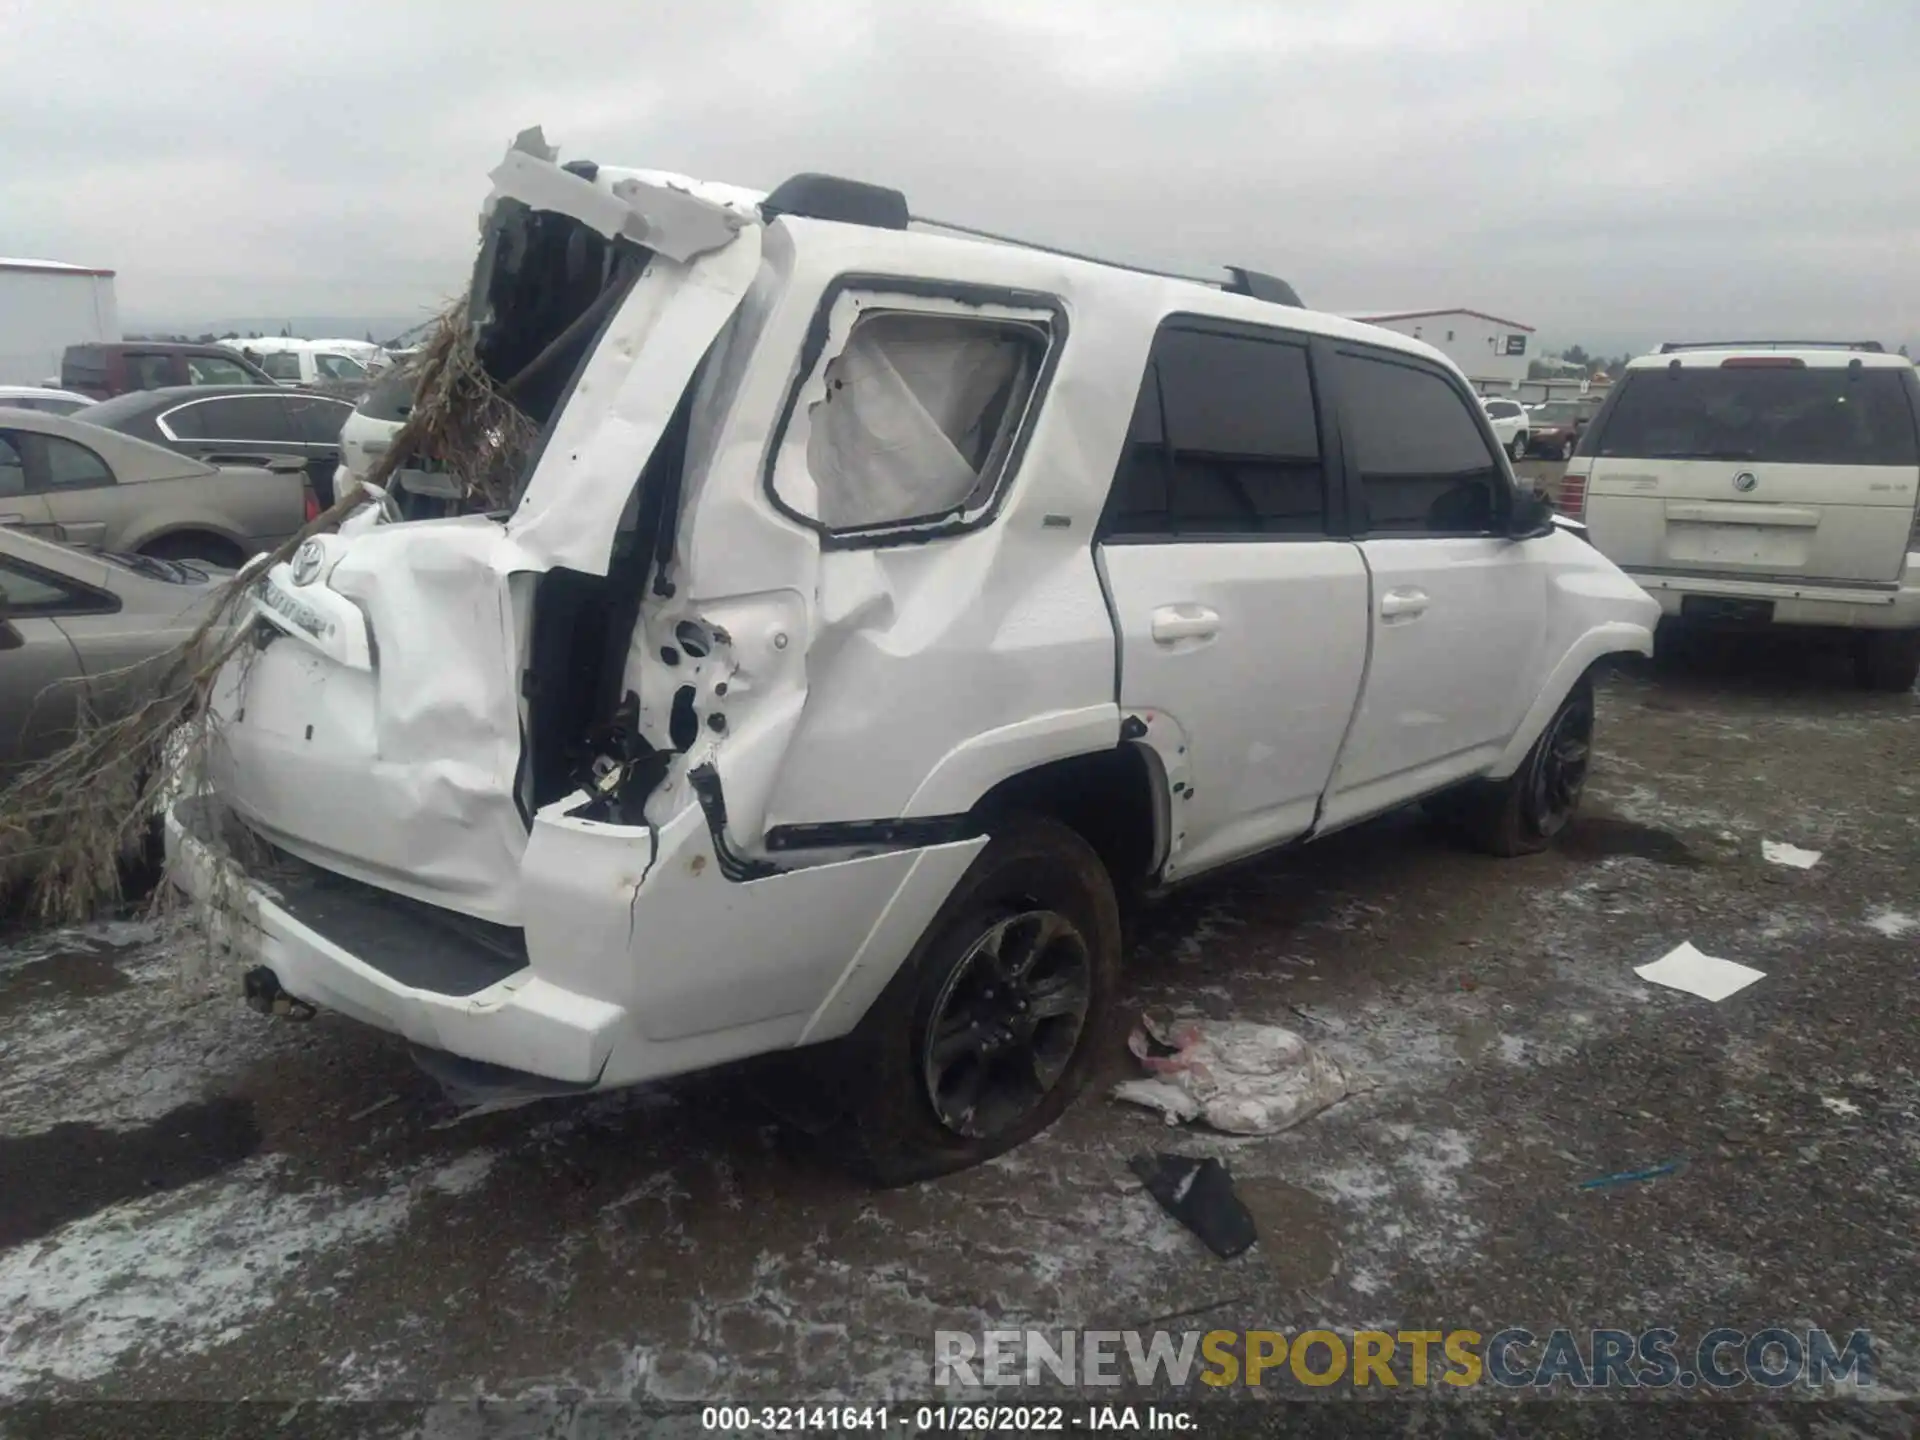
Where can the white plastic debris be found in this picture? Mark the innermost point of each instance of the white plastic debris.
(1708, 976)
(1238, 1077)
(1778, 852)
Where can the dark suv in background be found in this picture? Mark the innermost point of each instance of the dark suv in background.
(105, 370)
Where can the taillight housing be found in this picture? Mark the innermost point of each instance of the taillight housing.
(313, 503)
(1571, 501)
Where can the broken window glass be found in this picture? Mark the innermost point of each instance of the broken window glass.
(919, 414)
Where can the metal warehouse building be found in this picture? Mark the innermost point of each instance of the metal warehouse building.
(1493, 352)
(45, 306)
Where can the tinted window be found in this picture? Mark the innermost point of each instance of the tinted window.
(1424, 466)
(1828, 416)
(246, 418)
(317, 421)
(281, 365)
(1138, 502)
(22, 593)
(339, 367)
(71, 466)
(212, 370)
(1502, 409)
(392, 395)
(1224, 441)
(13, 470)
(149, 372)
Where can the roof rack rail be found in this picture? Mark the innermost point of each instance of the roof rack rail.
(1238, 282)
(855, 202)
(1871, 346)
(828, 197)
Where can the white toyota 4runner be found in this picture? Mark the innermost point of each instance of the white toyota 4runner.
(878, 607)
(1768, 483)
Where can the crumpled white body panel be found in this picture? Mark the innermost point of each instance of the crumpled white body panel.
(402, 776)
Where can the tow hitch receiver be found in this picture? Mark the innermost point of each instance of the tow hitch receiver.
(262, 989)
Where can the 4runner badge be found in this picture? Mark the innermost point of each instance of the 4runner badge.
(1744, 482)
(308, 559)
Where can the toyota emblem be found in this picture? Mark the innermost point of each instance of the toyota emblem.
(1745, 481)
(308, 559)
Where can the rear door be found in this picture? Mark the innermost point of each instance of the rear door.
(40, 687)
(233, 429)
(1757, 468)
(20, 508)
(1241, 605)
(77, 487)
(1458, 607)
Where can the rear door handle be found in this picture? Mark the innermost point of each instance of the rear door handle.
(1398, 604)
(1172, 623)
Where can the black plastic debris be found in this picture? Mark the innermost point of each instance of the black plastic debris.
(1199, 1194)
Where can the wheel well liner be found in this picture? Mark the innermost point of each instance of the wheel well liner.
(1107, 797)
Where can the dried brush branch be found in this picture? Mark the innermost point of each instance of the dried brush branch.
(67, 822)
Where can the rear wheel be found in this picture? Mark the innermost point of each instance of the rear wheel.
(1522, 813)
(1889, 660)
(1518, 449)
(195, 545)
(1565, 452)
(993, 1025)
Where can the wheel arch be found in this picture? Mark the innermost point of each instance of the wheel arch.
(1580, 660)
(1116, 799)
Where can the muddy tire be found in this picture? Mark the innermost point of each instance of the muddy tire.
(996, 1019)
(1521, 814)
(1888, 660)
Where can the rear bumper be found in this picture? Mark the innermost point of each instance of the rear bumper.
(508, 1016)
(1840, 606)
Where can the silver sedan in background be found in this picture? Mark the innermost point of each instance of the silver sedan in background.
(77, 626)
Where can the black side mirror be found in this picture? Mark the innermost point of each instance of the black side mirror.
(1532, 516)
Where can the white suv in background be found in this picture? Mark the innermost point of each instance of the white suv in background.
(1765, 483)
(1509, 421)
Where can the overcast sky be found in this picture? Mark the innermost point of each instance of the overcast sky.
(1612, 174)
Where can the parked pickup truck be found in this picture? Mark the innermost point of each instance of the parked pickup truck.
(881, 610)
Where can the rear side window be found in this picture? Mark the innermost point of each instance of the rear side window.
(280, 364)
(391, 398)
(149, 372)
(13, 469)
(339, 367)
(213, 370)
(247, 418)
(1425, 468)
(917, 418)
(1787, 416)
(65, 465)
(1224, 441)
(316, 421)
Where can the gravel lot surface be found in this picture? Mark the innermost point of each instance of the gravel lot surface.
(197, 1202)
